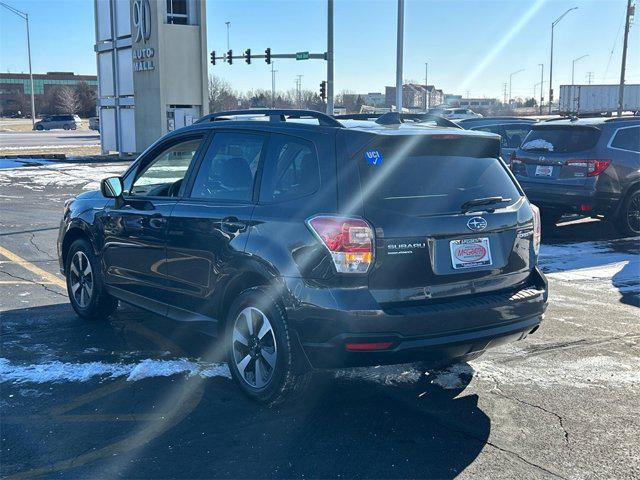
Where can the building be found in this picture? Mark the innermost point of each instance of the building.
(152, 69)
(478, 103)
(15, 90)
(415, 97)
(375, 99)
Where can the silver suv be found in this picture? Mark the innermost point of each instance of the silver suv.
(66, 122)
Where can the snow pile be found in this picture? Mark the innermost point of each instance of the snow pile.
(81, 372)
(538, 144)
(57, 175)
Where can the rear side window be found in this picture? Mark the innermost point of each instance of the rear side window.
(432, 176)
(561, 139)
(627, 139)
(229, 167)
(291, 169)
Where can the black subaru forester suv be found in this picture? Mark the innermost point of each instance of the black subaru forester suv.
(304, 242)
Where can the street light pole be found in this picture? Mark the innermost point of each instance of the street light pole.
(624, 58)
(553, 25)
(399, 51)
(25, 17)
(573, 67)
(510, 80)
(426, 86)
(228, 24)
(541, 65)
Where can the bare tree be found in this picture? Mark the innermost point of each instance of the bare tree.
(87, 97)
(221, 96)
(67, 99)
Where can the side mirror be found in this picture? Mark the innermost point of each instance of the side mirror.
(111, 187)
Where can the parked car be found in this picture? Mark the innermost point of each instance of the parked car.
(303, 242)
(50, 122)
(94, 123)
(587, 166)
(512, 130)
(460, 113)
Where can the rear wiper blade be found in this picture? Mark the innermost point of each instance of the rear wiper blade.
(469, 205)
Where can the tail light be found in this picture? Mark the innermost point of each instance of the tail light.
(349, 241)
(537, 228)
(594, 167)
(514, 161)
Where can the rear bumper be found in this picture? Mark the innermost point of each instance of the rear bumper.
(438, 332)
(567, 199)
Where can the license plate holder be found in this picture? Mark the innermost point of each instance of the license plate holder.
(470, 253)
(544, 170)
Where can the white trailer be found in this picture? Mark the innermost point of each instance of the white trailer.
(597, 99)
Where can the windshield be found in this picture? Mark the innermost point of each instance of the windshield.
(561, 139)
(433, 177)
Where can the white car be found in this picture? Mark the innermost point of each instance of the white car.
(460, 113)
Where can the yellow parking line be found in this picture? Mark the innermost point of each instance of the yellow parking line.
(32, 268)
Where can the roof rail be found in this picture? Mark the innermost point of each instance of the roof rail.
(623, 118)
(358, 116)
(395, 118)
(275, 115)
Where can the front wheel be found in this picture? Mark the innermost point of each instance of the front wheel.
(628, 223)
(85, 285)
(261, 352)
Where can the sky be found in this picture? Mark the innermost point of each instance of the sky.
(471, 46)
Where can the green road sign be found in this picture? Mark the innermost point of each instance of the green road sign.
(302, 55)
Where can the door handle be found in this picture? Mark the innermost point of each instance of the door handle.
(157, 221)
(232, 225)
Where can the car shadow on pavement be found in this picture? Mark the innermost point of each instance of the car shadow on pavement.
(360, 426)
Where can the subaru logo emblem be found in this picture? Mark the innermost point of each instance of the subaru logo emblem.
(476, 224)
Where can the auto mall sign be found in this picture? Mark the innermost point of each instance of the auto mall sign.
(143, 58)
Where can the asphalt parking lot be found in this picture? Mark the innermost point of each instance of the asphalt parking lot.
(138, 396)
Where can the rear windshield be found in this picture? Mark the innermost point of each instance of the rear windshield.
(424, 177)
(561, 140)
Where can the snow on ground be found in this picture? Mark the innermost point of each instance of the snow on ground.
(54, 174)
(593, 262)
(48, 147)
(56, 371)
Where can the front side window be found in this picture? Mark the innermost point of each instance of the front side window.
(627, 139)
(228, 170)
(163, 176)
(291, 169)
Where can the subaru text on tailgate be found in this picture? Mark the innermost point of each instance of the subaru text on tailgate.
(304, 242)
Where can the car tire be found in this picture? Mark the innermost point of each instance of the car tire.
(85, 285)
(628, 220)
(39, 127)
(263, 361)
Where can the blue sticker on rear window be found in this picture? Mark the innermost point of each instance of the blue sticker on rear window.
(373, 157)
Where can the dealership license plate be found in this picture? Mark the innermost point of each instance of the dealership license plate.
(544, 171)
(470, 252)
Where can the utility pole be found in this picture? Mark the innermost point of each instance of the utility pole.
(504, 93)
(553, 25)
(299, 89)
(573, 67)
(25, 17)
(330, 57)
(541, 65)
(273, 86)
(399, 52)
(589, 77)
(627, 24)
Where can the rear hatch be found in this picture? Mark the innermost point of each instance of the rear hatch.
(427, 247)
(558, 154)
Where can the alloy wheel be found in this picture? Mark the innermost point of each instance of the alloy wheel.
(81, 279)
(254, 347)
(633, 213)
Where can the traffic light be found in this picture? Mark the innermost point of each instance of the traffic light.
(267, 55)
(323, 90)
(247, 55)
(213, 57)
(230, 57)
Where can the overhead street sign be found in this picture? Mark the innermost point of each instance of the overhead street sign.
(302, 55)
